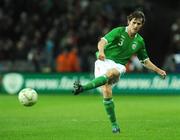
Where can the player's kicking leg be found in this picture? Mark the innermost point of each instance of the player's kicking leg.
(99, 81)
(77, 88)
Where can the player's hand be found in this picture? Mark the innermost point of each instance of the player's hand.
(101, 56)
(162, 73)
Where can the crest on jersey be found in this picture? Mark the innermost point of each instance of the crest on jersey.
(134, 46)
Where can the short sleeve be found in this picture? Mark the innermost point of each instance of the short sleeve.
(142, 53)
(109, 37)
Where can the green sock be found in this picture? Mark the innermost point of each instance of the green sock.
(109, 106)
(99, 81)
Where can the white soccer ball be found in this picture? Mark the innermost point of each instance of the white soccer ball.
(27, 96)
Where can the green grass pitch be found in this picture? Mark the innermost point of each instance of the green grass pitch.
(68, 117)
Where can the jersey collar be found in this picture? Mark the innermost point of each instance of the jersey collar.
(126, 30)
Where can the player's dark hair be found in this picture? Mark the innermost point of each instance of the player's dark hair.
(137, 14)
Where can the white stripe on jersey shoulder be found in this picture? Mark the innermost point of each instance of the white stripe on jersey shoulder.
(126, 29)
(104, 39)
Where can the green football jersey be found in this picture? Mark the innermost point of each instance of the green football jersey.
(121, 47)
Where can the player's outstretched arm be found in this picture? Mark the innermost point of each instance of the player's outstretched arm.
(148, 64)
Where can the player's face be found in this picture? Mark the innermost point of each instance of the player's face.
(134, 25)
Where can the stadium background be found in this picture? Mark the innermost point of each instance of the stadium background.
(48, 44)
(51, 36)
(35, 32)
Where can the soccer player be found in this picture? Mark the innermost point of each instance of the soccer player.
(114, 51)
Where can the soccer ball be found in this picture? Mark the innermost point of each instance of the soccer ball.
(27, 96)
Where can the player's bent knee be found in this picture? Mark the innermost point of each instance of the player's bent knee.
(113, 73)
(113, 76)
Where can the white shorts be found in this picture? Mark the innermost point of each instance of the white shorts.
(101, 67)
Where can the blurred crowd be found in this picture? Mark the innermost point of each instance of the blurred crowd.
(172, 61)
(62, 35)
